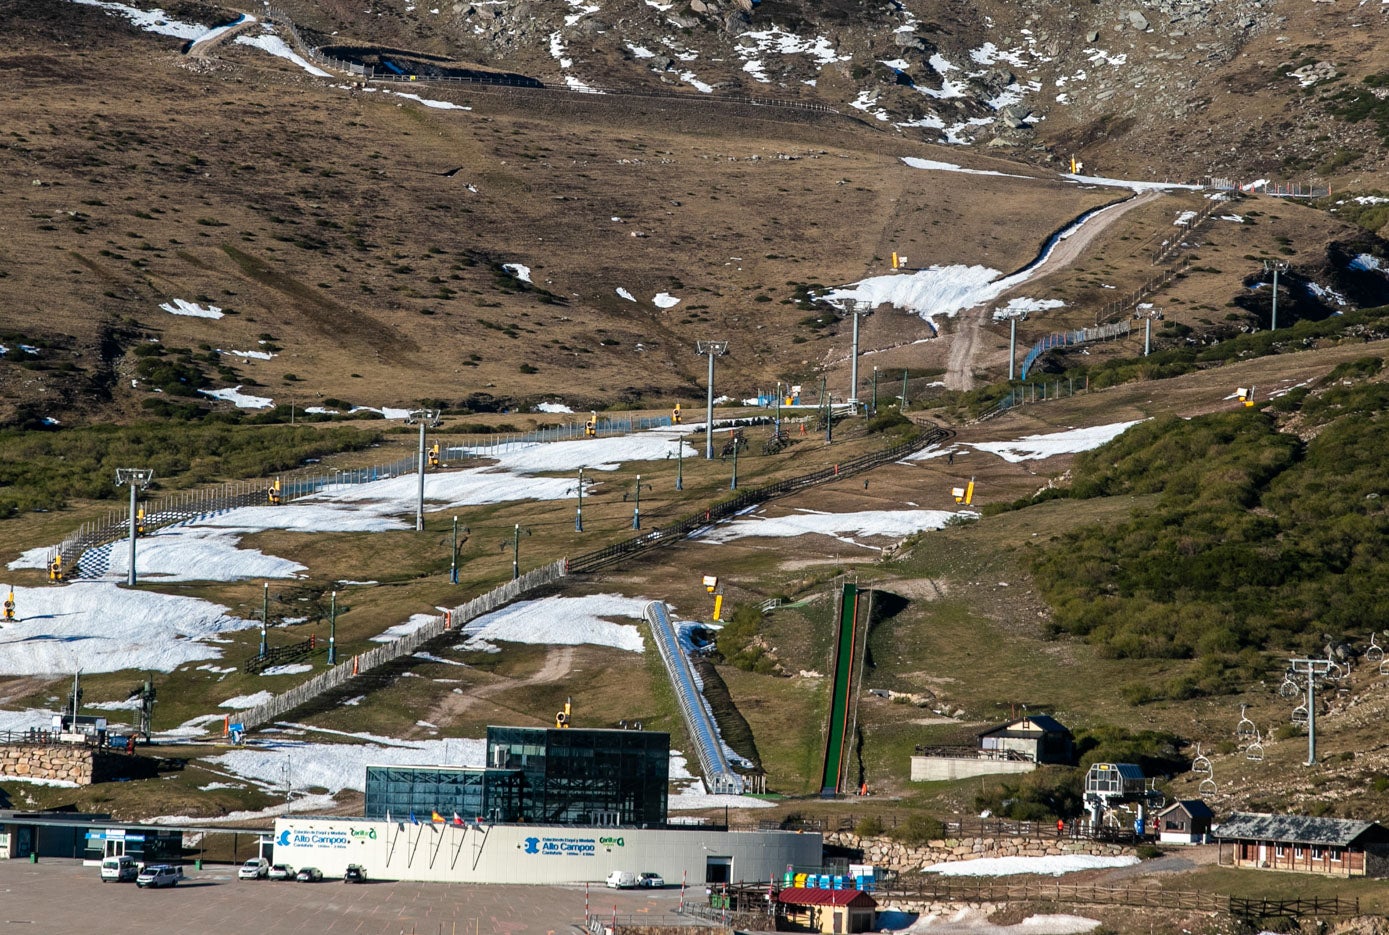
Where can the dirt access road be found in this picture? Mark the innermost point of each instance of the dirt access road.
(965, 350)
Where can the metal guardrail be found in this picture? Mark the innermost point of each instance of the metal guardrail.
(1069, 338)
(278, 654)
(674, 532)
(364, 662)
(719, 777)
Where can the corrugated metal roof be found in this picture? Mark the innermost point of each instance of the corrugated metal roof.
(800, 896)
(1196, 808)
(1297, 829)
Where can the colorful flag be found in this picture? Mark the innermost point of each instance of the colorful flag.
(413, 819)
(437, 818)
(457, 819)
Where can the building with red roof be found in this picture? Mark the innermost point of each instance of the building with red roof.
(831, 911)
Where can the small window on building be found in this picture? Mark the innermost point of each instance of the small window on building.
(1335, 855)
(1316, 853)
(1280, 851)
(1297, 853)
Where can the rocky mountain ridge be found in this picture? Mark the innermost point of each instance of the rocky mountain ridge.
(1162, 89)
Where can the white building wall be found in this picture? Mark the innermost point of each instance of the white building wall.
(534, 853)
(933, 768)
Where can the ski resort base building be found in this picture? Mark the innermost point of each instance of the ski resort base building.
(445, 852)
(553, 805)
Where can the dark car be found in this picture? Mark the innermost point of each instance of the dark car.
(354, 874)
(309, 875)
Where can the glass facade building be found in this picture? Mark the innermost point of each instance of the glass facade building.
(472, 794)
(616, 778)
(587, 777)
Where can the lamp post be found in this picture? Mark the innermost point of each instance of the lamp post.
(579, 510)
(733, 482)
(680, 464)
(875, 389)
(636, 510)
(904, 391)
(776, 422)
(1012, 346)
(516, 550)
(453, 562)
(136, 478)
(427, 418)
(710, 349)
(264, 619)
(333, 631)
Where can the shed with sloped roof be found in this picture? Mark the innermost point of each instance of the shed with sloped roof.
(831, 911)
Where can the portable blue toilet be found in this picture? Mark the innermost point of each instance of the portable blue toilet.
(1139, 826)
(838, 882)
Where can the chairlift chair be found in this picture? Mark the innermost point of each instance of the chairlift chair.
(1245, 729)
(1255, 751)
(1299, 715)
(1201, 765)
(1376, 652)
(1207, 787)
(1290, 687)
(1384, 667)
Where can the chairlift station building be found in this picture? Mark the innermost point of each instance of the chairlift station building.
(553, 805)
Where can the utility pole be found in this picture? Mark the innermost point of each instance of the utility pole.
(333, 631)
(710, 349)
(733, 483)
(875, 389)
(137, 478)
(427, 418)
(1277, 266)
(680, 464)
(636, 510)
(904, 392)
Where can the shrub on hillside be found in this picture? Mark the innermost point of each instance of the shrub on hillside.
(918, 830)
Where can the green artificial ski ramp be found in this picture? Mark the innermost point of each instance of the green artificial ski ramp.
(831, 782)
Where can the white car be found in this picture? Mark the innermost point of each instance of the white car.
(621, 880)
(254, 869)
(280, 872)
(651, 881)
(157, 875)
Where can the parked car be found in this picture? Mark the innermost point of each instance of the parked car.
(280, 872)
(119, 869)
(355, 874)
(652, 881)
(309, 875)
(157, 875)
(254, 869)
(622, 880)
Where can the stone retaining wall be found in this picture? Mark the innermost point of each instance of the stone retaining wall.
(893, 855)
(75, 763)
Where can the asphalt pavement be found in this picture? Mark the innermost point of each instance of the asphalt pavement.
(60, 897)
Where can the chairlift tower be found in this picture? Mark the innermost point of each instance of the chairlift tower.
(860, 309)
(1311, 669)
(710, 349)
(426, 418)
(137, 478)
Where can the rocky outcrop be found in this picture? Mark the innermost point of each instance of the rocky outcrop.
(73, 763)
(884, 852)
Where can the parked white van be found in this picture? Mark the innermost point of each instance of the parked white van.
(622, 880)
(119, 869)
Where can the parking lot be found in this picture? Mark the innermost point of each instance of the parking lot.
(59, 897)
